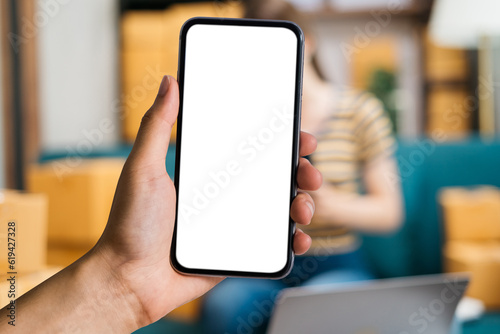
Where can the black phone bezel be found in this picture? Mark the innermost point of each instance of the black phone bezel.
(295, 150)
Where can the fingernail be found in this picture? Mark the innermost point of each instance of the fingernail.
(311, 207)
(165, 83)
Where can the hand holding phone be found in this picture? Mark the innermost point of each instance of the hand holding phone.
(237, 146)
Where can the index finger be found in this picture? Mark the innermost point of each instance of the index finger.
(308, 144)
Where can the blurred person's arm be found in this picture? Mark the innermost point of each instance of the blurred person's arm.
(126, 281)
(379, 210)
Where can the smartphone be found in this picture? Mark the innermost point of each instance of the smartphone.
(237, 148)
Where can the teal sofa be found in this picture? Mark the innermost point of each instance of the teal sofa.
(425, 168)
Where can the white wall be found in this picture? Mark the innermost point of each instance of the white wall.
(78, 73)
(2, 147)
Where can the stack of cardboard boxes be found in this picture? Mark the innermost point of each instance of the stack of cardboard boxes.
(23, 236)
(448, 106)
(472, 230)
(150, 44)
(61, 218)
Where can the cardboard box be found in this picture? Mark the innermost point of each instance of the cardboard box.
(447, 111)
(142, 30)
(471, 214)
(444, 64)
(482, 260)
(29, 213)
(142, 75)
(80, 197)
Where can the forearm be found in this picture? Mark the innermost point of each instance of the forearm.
(362, 212)
(83, 298)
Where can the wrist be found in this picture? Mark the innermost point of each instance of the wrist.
(109, 298)
(86, 297)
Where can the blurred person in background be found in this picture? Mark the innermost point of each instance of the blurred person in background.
(361, 191)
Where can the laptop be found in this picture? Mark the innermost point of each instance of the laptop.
(417, 304)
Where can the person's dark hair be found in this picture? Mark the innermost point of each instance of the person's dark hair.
(281, 10)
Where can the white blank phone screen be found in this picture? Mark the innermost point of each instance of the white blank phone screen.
(236, 148)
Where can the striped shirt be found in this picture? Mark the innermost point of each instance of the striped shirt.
(356, 132)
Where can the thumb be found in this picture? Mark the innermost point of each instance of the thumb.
(151, 144)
